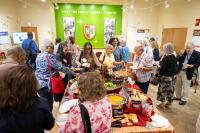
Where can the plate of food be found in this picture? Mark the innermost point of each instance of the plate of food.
(110, 86)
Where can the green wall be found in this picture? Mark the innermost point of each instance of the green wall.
(88, 14)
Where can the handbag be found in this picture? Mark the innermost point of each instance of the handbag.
(155, 80)
(85, 118)
(56, 82)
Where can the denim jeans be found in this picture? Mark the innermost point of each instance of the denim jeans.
(143, 86)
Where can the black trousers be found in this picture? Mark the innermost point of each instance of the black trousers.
(143, 86)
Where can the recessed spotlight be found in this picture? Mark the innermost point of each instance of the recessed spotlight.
(43, 0)
(131, 6)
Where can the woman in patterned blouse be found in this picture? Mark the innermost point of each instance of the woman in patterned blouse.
(92, 91)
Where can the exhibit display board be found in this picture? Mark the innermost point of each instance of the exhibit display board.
(88, 22)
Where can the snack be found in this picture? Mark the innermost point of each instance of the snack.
(133, 117)
(121, 73)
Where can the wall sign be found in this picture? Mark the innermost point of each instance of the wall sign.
(197, 23)
(196, 33)
(89, 31)
(4, 39)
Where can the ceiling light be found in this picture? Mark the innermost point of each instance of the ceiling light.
(43, 0)
(166, 4)
(189, 0)
(124, 10)
(131, 6)
(56, 6)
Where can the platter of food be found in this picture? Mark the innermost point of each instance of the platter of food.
(110, 86)
(116, 100)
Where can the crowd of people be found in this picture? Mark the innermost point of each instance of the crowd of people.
(26, 101)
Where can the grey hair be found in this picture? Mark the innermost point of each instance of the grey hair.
(168, 48)
(108, 46)
(139, 46)
(46, 43)
(190, 44)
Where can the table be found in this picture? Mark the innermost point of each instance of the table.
(134, 129)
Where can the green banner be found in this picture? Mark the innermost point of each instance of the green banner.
(94, 23)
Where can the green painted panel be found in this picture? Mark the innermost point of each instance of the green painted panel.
(88, 14)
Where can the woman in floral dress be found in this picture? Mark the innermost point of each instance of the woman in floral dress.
(93, 93)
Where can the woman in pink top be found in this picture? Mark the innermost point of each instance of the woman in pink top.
(92, 90)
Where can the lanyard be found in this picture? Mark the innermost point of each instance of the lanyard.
(140, 60)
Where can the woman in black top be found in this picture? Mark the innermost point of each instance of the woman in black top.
(168, 76)
(21, 109)
(154, 45)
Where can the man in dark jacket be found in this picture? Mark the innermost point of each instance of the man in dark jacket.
(189, 61)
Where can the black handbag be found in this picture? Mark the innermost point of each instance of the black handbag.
(155, 80)
(85, 118)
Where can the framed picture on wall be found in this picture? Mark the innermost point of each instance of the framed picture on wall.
(69, 27)
(109, 29)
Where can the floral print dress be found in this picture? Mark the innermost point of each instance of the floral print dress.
(100, 113)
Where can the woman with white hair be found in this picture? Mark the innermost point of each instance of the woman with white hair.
(42, 71)
(107, 59)
(168, 76)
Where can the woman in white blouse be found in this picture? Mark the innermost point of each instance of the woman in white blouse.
(107, 59)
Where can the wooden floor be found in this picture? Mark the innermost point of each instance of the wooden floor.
(183, 118)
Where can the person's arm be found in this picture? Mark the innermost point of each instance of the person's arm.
(156, 54)
(78, 59)
(163, 64)
(147, 66)
(35, 48)
(197, 62)
(96, 59)
(56, 65)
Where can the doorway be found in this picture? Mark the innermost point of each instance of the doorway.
(177, 36)
(31, 29)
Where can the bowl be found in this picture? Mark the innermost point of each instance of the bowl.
(117, 100)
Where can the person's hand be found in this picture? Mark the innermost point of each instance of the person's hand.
(123, 63)
(189, 66)
(140, 68)
(76, 74)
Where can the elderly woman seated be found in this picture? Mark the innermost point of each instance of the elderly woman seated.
(93, 94)
(107, 59)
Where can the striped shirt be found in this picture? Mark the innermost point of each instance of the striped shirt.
(143, 61)
(42, 73)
